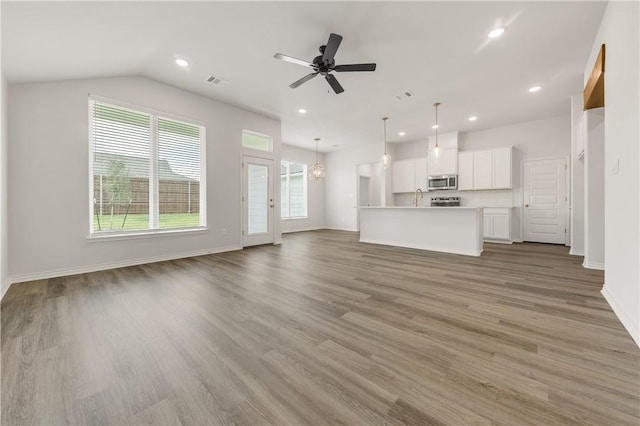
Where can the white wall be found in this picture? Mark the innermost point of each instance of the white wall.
(341, 184)
(4, 228)
(315, 192)
(594, 254)
(48, 177)
(531, 140)
(577, 176)
(619, 31)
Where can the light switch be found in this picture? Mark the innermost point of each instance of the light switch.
(615, 166)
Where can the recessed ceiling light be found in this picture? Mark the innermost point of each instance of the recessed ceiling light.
(182, 62)
(401, 133)
(535, 89)
(435, 126)
(302, 111)
(496, 33)
(473, 118)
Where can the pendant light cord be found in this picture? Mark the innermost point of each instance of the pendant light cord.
(384, 122)
(436, 105)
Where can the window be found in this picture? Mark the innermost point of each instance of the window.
(146, 171)
(293, 181)
(256, 141)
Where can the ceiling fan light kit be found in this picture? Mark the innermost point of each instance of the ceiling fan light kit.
(324, 64)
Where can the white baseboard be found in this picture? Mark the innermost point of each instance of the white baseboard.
(632, 327)
(576, 252)
(313, 228)
(340, 229)
(4, 286)
(593, 265)
(497, 241)
(113, 265)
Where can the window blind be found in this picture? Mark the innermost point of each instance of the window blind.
(293, 190)
(147, 170)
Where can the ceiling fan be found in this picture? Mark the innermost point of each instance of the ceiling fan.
(324, 64)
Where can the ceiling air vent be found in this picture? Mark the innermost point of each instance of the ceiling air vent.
(404, 95)
(217, 81)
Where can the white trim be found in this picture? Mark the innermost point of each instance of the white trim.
(315, 228)
(340, 229)
(593, 265)
(144, 109)
(4, 286)
(576, 252)
(132, 235)
(567, 183)
(253, 151)
(633, 328)
(113, 265)
(496, 240)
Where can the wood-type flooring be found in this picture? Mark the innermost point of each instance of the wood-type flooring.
(322, 330)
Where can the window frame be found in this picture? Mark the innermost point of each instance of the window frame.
(153, 173)
(254, 133)
(305, 170)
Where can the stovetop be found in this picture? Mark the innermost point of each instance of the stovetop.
(445, 201)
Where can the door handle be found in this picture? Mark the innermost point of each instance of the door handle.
(526, 205)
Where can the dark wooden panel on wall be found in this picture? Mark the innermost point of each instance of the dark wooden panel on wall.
(594, 89)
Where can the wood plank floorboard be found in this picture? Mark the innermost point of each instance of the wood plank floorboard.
(322, 330)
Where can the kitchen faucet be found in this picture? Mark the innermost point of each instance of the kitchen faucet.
(415, 200)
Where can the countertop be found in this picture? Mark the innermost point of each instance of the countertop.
(424, 208)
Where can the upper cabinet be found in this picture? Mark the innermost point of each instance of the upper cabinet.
(486, 169)
(447, 164)
(502, 168)
(421, 173)
(465, 170)
(409, 175)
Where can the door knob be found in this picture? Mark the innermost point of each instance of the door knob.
(526, 205)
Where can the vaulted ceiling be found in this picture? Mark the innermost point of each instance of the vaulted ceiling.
(439, 51)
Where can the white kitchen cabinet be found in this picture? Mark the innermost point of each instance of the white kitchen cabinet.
(409, 175)
(502, 168)
(447, 163)
(465, 171)
(485, 169)
(403, 176)
(497, 224)
(420, 173)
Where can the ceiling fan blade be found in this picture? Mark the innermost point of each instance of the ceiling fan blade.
(303, 80)
(293, 60)
(355, 67)
(334, 83)
(332, 48)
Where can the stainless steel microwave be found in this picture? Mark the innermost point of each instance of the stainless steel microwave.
(442, 182)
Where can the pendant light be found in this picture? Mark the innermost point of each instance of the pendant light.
(386, 158)
(317, 171)
(436, 149)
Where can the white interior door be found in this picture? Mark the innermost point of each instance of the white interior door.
(545, 200)
(257, 201)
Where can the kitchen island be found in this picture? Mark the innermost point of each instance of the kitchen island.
(446, 229)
